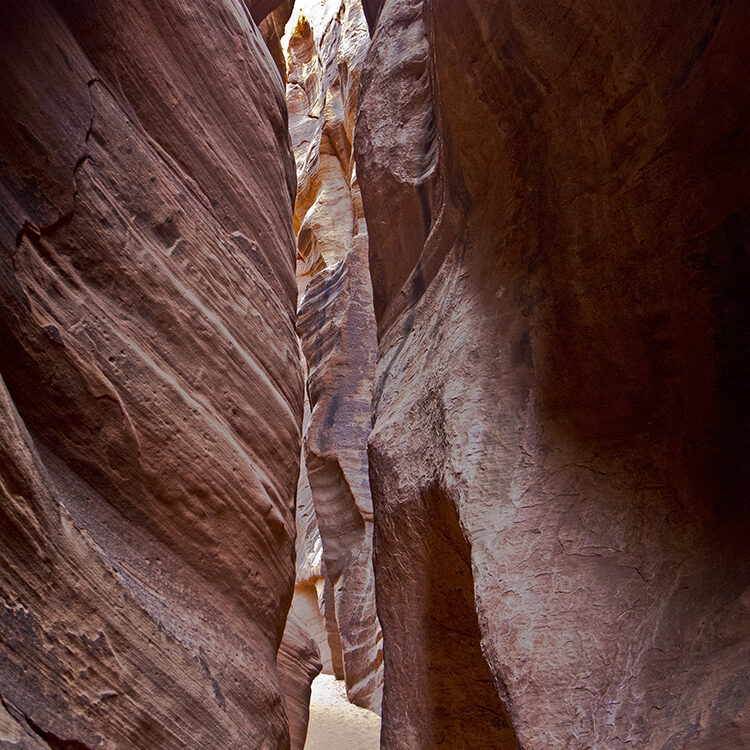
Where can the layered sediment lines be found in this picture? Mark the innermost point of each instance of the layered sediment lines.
(557, 210)
(529, 289)
(299, 663)
(152, 388)
(325, 54)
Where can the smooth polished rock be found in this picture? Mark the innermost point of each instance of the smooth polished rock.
(326, 51)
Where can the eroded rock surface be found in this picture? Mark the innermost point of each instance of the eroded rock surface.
(558, 217)
(299, 663)
(152, 394)
(272, 29)
(313, 593)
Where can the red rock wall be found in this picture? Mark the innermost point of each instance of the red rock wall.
(557, 206)
(152, 394)
(313, 594)
(304, 649)
(272, 30)
(299, 663)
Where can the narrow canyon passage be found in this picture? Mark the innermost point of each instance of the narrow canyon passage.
(374, 373)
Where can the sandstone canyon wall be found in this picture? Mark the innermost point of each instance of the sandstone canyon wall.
(313, 594)
(151, 384)
(272, 28)
(337, 327)
(298, 661)
(542, 326)
(557, 205)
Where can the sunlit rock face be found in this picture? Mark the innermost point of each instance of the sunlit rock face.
(326, 49)
(557, 208)
(151, 384)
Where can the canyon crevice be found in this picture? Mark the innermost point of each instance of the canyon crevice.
(336, 325)
(402, 340)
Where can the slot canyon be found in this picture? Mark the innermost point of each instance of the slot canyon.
(390, 350)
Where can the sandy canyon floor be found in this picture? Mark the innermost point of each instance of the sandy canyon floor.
(336, 724)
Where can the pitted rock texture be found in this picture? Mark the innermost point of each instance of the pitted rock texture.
(325, 54)
(558, 217)
(337, 329)
(152, 396)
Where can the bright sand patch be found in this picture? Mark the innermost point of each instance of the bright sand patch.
(336, 724)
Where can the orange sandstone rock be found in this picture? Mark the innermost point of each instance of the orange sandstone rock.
(337, 327)
(326, 52)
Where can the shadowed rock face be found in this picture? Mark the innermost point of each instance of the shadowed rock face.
(371, 9)
(299, 663)
(261, 9)
(304, 649)
(558, 217)
(439, 655)
(272, 29)
(152, 394)
(313, 594)
(557, 206)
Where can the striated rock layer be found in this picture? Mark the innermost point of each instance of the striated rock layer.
(272, 30)
(336, 324)
(313, 594)
(304, 650)
(152, 391)
(337, 328)
(557, 206)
